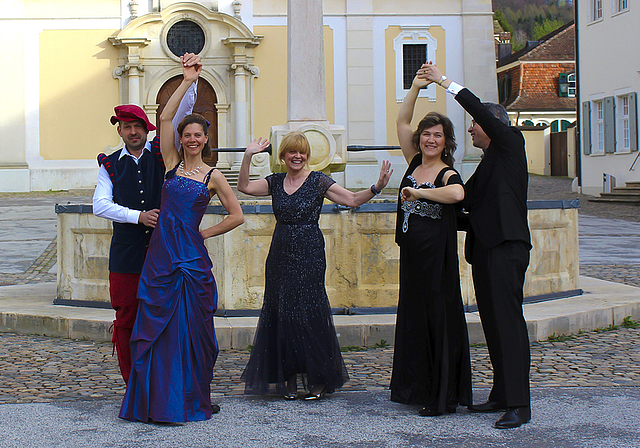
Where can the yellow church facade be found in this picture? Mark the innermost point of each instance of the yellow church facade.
(66, 64)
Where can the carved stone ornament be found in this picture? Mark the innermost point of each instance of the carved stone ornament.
(237, 6)
(133, 8)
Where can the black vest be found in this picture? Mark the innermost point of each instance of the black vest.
(138, 187)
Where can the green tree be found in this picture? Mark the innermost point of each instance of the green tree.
(544, 28)
(502, 20)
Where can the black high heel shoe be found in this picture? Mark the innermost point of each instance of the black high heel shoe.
(292, 388)
(318, 396)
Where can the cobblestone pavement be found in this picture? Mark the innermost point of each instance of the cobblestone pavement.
(41, 369)
(36, 369)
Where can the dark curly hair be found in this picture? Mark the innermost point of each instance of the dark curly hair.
(199, 119)
(433, 119)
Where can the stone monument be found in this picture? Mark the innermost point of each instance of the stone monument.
(306, 94)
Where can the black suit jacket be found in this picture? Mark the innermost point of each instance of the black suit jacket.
(496, 193)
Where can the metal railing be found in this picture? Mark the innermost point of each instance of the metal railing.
(351, 148)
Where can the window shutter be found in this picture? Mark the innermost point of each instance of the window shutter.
(609, 125)
(563, 85)
(586, 128)
(633, 121)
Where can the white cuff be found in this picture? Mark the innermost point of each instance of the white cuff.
(133, 216)
(454, 88)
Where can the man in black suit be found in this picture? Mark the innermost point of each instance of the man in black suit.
(497, 247)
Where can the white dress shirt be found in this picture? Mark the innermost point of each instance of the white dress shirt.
(103, 205)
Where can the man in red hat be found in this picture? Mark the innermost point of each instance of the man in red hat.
(128, 194)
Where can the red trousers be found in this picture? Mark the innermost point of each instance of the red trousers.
(123, 289)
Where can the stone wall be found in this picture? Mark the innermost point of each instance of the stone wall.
(362, 257)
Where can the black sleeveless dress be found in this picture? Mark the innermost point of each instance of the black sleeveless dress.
(431, 362)
(295, 333)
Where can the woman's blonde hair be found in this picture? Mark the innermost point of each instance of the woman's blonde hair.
(294, 141)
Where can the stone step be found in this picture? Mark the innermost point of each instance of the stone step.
(232, 176)
(633, 184)
(621, 194)
(628, 189)
(621, 200)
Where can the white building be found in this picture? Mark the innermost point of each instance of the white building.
(608, 83)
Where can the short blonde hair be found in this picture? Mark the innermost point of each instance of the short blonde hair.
(294, 141)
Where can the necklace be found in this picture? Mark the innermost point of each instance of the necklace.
(196, 170)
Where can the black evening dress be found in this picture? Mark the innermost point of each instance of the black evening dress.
(295, 333)
(431, 362)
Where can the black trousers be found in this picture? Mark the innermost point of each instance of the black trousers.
(498, 279)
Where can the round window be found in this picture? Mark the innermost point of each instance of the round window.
(185, 37)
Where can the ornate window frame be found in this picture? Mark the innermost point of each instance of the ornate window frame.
(179, 18)
(413, 35)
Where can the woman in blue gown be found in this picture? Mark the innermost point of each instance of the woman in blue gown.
(295, 333)
(173, 344)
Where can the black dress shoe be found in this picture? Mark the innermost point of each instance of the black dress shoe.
(514, 417)
(291, 395)
(428, 411)
(215, 409)
(487, 406)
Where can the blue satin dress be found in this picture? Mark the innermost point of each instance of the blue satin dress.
(173, 344)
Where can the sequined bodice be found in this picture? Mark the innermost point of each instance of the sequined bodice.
(305, 203)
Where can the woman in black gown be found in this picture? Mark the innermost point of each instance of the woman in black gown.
(295, 333)
(431, 363)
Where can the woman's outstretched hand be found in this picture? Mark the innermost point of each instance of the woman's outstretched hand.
(420, 82)
(385, 175)
(256, 146)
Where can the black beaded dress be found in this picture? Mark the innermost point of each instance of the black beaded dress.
(431, 362)
(295, 333)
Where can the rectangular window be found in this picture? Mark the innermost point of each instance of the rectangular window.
(598, 128)
(624, 131)
(597, 9)
(413, 56)
(572, 85)
(620, 5)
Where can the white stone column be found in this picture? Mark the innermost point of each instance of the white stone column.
(133, 78)
(240, 111)
(130, 66)
(225, 160)
(306, 99)
(241, 67)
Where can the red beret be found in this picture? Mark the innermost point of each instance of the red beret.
(131, 112)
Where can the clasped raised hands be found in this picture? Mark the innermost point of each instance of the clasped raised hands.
(191, 66)
(429, 73)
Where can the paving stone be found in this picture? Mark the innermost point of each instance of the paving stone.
(609, 359)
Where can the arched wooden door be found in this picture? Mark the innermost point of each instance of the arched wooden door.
(205, 106)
